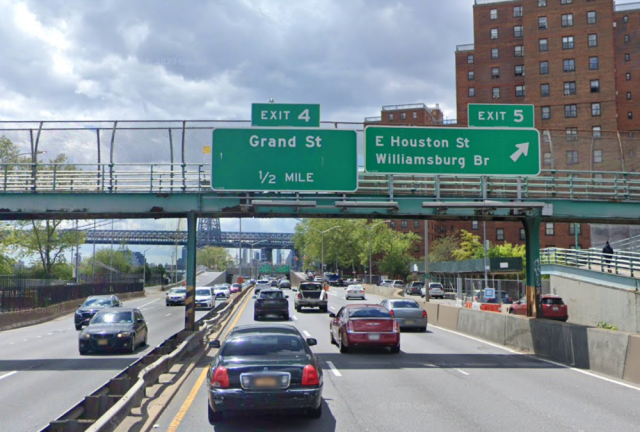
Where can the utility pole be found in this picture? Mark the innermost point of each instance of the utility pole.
(240, 251)
(93, 270)
(484, 229)
(427, 277)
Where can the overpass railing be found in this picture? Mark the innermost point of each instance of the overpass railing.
(621, 262)
(196, 178)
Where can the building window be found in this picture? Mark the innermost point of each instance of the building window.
(626, 38)
(572, 157)
(597, 156)
(495, 72)
(472, 91)
(628, 76)
(595, 109)
(416, 224)
(593, 40)
(392, 224)
(543, 44)
(628, 95)
(569, 65)
(544, 67)
(500, 234)
(570, 111)
(519, 70)
(518, 31)
(566, 1)
(573, 227)
(627, 57)
(518, 51)
(391, 117)
(547, 159)
(592, 17)
(544, 90)
(494, 53)
(523, 235)
(403, 224)
(474, 225)
(595, 86)
(494, 33)
(596, 131)
(520, 91)
(549, 228)
(517, 11)
(571, 133)
(593, 63)
(567, 42)
(415, 115)
(403, 116)
(567, 20)
(569, 88)
(542, 3)
(470, 59)
(494, 14)
(471, 75)
(542, 23)
(546, 112)
(630, 115)
(495, 92)
(625, 19)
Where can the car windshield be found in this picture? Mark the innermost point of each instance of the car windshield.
(369, 313)
(97, 302)
(271, 295)
(551, 301)
(262, 345)
(404, 304)
(203, 292)
(112, 318)
(178, 291)
(310, 287)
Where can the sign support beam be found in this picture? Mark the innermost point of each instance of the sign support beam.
(534, 280)
(190, 266)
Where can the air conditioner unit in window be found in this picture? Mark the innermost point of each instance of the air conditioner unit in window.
(567, 92)
(495, 96)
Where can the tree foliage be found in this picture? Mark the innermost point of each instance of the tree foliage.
(442, 248)
(119, 260)
(216, 258)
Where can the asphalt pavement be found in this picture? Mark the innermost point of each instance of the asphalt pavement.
(440, 381)
(42, 375)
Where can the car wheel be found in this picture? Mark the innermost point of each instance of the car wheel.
(132, 345)
(286, 317)
(83, 351)
(78, 327)
(324, 309)
(511, 311)
(343, 348)
(395, 349)
(333, 341)
(214, 416)
(423, 329)
(315, 413)
(256, 317)
(144, 342)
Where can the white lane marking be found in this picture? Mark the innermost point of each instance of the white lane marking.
(49, 334)
(306, 333)
(333, 294)
(335, 370)
(24, 340)
(146, 304)
(148, 309)
(8, 374)
(295, 318)
(332, 308)
(462, 372)
(541, 359)
(12, 343)
(38, 337)
(168, 314)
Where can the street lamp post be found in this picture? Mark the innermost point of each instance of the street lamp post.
(322, 233)
(251, 257)
(370, 228)
(144, 267)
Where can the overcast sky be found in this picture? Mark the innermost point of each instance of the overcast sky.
(156, 59)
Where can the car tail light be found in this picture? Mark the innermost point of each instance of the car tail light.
(349, 327)
(424, 314)
(396, 326)
(310, 376)
(392, 313)
(220, 378)
(299, 295)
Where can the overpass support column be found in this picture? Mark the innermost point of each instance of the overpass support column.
(190, 303)
(534, 281)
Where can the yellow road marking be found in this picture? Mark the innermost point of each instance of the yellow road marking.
(173, 427)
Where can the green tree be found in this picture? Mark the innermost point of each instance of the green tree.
(106, 262)
(212, 257)
(442, 248)
(395, 248)
(470, 247)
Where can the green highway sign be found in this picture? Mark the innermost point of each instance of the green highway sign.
(281, 269)
(289, 115)
(265, 269)
(284, 160)
(494, 115)
(455, 151)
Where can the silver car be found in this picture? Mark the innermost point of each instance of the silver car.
(354, 291)
(408, 313)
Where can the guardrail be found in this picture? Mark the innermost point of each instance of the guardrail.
(621, 263)
(104, 409)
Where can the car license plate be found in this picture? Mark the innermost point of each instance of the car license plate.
(409, 322)
(555, 308)
(265, 382)
(374, 337)
(103, 342)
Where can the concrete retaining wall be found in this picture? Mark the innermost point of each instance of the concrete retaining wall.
(632, 362)
(12, 320)
(485, 325)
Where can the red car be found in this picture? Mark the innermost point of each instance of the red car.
(552, 307)
(364, 325)
(236, 287)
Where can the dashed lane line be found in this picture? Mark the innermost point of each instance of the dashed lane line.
(334, 369)
(462, 372)
(8, 374)
(306, 333)
(168, 314)
(146, 304)
(295, 318)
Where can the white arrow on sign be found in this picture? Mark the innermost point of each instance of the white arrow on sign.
(523, 149)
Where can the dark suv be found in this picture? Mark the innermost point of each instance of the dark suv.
(92, 305)
(414, 288)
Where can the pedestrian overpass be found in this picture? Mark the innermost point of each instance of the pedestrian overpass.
(170, 189)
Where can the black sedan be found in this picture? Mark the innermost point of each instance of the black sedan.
(92, 305)
(264, 368)
(114, 330)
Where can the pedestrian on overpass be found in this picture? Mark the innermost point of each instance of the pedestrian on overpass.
(607, 251)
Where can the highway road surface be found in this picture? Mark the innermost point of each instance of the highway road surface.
(42, 374)
(441, 381)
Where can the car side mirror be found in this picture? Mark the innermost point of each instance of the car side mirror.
(332, 315)
(255, 297)
(312, 341)
(214, 344)
(286, 296)
(140, 320)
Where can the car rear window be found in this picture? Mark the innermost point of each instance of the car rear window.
(112, 317)
(310, 287)
(271, 295)
(405, 304)
(417, 285)
(203, 292)
(263, 345)
(435, 285)
(369, 313)
(552, 301)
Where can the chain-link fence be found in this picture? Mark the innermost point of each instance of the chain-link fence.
(467, 289)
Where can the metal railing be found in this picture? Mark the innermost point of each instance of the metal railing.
(621, 262)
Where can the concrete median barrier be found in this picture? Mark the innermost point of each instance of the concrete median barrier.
(486, 325)
(632, 360)
(607, 351)
(432, 312)
(448, 316)
(517, 333)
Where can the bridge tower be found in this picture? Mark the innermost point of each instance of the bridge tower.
(209, 231)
